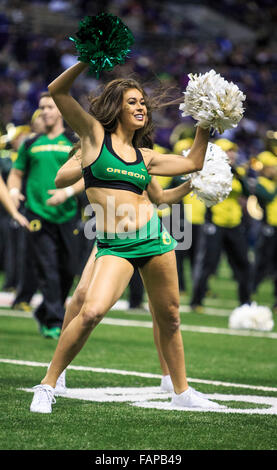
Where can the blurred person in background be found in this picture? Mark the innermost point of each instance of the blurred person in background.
(223, 230)
(192, 212)
(136, 289)
(27, 284)
(265, 189)
(52, 228)
(12, 233)
(8, 204)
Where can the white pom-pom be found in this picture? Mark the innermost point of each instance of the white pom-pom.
(213, 101)
(251, 317)
(213, 183)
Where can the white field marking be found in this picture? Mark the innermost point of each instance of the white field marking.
(83, 368)
(144, 397)
(6, 299)
(183, 309)
(216, 383)
(271, 403)
(214, 311)
(210, 307)
(214, 302)
(218, 312)
(206, 310)
(149, 324)
(15, 314)
(195, 329)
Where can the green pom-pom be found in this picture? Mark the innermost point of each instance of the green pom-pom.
(102, 41)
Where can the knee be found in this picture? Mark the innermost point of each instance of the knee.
(91, 315)
(78, 297)
(169, 319)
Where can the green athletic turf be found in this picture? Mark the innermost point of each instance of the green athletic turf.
(84, 425)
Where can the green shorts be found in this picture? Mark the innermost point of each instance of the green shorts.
(149, 240)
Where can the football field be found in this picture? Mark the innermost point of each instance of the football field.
(114, 401)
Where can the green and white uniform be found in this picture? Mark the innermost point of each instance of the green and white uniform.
(111, 171)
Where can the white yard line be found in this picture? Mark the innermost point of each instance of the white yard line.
(211, 306)
(6, 299)
(138, 374)
(193, 328)
(148, 324)
(215, 311)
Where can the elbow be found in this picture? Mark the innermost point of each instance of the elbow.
(153, 199)
(156, 198)
(50, 89)
(196, 167)
(55, 90)
(196, 163)
(58, 181)
(199, 166)
(158, 201)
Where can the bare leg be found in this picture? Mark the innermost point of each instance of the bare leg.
(111, 276)
(156, 334)
(76, 302)
(161, 282)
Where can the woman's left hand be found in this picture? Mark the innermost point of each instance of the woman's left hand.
(58, 197)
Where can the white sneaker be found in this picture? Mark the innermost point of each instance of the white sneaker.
(191, 399)
(60, 388)
(167, 386)
(199, 394)
(43, 399)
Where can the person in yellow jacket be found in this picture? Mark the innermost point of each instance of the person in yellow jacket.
(265, 263)
(190, 220)
(136, 288)
(192, 212)
(223, 230)
(195, 214)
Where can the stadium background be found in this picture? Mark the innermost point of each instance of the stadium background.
(236, 38)
(172, 39)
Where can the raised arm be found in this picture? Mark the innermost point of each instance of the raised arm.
(173, 165)
(158, 195)
(73, 113)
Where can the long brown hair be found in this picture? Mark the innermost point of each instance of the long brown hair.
(107, 106)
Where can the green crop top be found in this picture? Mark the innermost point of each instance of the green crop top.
(111, 171)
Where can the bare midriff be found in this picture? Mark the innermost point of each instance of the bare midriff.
(119, 210)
